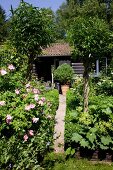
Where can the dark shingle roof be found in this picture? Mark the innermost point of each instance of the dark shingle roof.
(57, 49)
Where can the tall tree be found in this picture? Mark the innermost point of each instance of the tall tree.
(91, 39)
(30, 31)
(3, 28)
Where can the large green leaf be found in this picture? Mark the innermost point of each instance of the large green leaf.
(76, 137)
(84, 143)
(106, 140)
(91, 137)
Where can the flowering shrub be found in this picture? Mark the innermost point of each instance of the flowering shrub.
(27, 123)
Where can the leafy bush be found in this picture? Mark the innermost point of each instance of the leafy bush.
(27, 123)
(53, 97)
(94, 129)
(104, 86)
(64, 74)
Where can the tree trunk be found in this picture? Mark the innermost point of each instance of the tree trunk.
(30, 67)
(86, 88)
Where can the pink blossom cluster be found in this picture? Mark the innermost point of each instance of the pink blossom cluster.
(4, 72)
(30, 106)
(35, 120)
(35, 91)
(26, 136)
(41, 101)
(8, 119)
(2, 103)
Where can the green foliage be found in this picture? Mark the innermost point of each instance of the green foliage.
(104, 86)
(93, 129)
(27, 122)
(73, 164)
(53, 97)
(30, 31)
(52, 158)
(90, 39)
(64, 74)
(3, 26)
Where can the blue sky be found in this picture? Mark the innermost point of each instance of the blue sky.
(54, 4)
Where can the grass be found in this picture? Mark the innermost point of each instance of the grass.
(74, 164)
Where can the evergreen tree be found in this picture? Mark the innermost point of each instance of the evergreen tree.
(3, 27)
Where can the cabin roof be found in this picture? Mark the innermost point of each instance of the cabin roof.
(57, 49)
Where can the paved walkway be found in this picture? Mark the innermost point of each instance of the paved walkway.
(60, 125)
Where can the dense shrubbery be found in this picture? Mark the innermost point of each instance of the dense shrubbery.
(27, 121)
(104, 86)
(92, 130)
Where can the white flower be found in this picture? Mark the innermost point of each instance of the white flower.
(35, 120)
(2, 103)
(3, 72)
(36, 97)
(17, 91)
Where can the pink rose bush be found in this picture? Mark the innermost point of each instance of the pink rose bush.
(23, 126)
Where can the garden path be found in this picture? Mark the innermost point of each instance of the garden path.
(60, 125)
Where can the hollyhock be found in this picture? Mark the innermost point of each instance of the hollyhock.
(35, 120)
(40, 102)
(8, 119)
(25, 137)
(31, 133)
(3, 72)
(17, 91)
(2, 103)
(36, 97)
(11, 67)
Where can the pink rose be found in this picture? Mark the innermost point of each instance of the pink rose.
(35, 120)
(25, 137)
(17, 91)
(32, 106)
(11, 67)
(35, 91)
(8, 119)
(3, 72)
(31, 133)
(2, 103)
